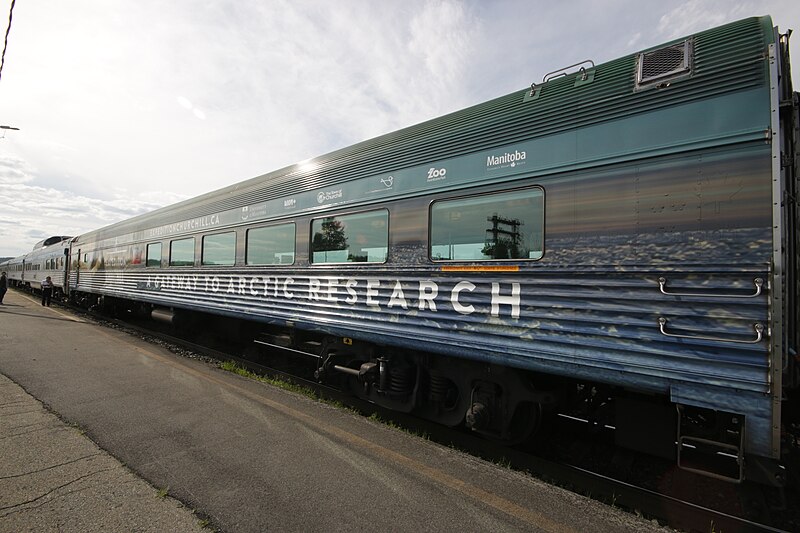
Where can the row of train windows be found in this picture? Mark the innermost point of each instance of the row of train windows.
(56, 263)
(507, 225)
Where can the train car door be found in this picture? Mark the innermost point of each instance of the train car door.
(76, 262)
(66, 270)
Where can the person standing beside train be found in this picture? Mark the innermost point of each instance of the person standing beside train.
(3, 286)
(47, 291)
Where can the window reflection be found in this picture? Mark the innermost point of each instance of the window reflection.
(358, 238)
(508, 225)
(273, 245)
(181, 252)
(219, 249)
(154, 254)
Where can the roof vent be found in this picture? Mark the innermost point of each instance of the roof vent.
(664, 63)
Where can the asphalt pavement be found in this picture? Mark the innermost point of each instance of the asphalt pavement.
(53, 478)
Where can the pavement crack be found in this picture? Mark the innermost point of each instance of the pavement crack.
(28, 432)
(13, 404)
(35, 411)
(45, 469)
(17, 507)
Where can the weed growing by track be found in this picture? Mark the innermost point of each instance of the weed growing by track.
(236, 368)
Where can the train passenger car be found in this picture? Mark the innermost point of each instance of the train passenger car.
(14, 269)
(619, 240)
(48, 258)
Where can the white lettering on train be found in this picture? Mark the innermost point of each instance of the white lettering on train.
(465, 297)
(454, 295)
(511, 159)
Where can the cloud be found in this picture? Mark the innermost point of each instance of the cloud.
(696, 15)
(13, 171)
(32, 212)
(186, 104)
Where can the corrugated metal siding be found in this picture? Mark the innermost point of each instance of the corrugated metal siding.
(598, 327)
(726, 59)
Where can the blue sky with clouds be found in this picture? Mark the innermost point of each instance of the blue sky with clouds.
(124, 106)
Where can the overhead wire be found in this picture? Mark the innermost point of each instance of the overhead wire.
(5, 44)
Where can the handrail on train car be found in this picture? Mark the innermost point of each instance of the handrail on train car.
(563, 72)
(758, 282)
(758, 328)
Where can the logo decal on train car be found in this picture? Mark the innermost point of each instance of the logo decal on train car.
(254, 211)
(436, 174)
(327, 196)
(380, 185)
(507, 159)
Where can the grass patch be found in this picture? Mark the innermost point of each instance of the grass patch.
(236, 368)
(394, 425)
(162, 493)
(375, 417)
(77, 427)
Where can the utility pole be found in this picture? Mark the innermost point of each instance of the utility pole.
(7, 128)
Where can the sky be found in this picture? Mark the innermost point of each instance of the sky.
(127, 106)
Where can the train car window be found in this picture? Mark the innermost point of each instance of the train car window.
(153, 254)
(490, 227)
(181, 252)
(135, 255)
(356, 238)
(219, 249)
(273, 245)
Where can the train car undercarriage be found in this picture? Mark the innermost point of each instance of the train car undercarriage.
(501, 403)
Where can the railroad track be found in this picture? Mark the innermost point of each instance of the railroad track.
(672, 511)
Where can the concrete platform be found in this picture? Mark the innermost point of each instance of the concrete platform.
(53, 478)
(243, 455)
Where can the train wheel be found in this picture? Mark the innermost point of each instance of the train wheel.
(524, 423)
